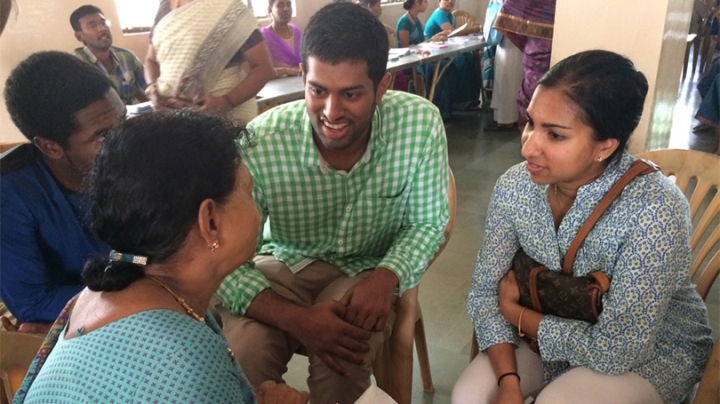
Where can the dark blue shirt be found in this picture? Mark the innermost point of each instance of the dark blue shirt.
(44, 237)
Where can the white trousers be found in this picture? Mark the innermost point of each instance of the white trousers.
(478, 384)
(506, 82)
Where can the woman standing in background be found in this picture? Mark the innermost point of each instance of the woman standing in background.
(283, 38)
(528, 24)
(409, 29)
(208, 55)
(462, 81)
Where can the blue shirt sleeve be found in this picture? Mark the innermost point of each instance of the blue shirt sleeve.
(403, 24)
(27, 287)
(435, 22)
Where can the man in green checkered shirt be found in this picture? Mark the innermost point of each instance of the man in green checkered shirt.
(352, 186)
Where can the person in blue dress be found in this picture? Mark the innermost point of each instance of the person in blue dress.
(462, 80)
(409, 29)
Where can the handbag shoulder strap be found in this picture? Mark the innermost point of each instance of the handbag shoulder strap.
(638, 168)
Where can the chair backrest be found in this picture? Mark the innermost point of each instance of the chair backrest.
(5, 146)
(17, 351)
(393, 367)
(463, 17)
(392, 39)
(452, 205)
(708, 391)
(703, 169)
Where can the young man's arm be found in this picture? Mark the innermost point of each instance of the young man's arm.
(27, 287)
(421, 234)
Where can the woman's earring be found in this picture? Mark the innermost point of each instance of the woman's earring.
(215, 245)
(600, 159)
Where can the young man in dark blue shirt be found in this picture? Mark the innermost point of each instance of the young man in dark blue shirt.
(64, 107)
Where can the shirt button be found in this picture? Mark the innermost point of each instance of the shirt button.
(340, 242)
(348, 208)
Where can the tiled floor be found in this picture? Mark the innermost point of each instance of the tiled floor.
(477, 159)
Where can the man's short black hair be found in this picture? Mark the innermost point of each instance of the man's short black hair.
(345, 32)
(81, 12)
(45, 91)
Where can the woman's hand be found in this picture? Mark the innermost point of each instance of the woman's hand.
(441, 36)
(152, 94)
(159, 102)
(508, 290)
(287, 71)
(213, 104)
(509, 396)
(272, 393)
(509, 297)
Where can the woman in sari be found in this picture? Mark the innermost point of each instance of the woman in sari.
(208, 55)
(141, 328)
(464, 79)
(283, 38)
(528, 24)
(409, 29)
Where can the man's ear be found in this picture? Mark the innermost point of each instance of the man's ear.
(78, 36)
(302, 72)
(49, 148)
(382, 87)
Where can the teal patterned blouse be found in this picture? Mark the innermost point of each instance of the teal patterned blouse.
(155, 356)
(653, 321)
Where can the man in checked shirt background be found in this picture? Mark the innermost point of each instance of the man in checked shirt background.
(352, 183)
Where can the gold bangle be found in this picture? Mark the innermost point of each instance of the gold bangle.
(520, 333)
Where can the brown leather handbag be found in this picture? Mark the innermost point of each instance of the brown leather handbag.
(559, 293)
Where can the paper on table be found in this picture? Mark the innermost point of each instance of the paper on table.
(457, 30)
(399, 51)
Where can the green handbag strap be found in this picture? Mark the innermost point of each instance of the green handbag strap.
(638, 168)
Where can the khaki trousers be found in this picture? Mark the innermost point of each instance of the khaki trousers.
(264, 351)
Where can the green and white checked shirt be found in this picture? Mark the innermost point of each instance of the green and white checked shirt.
(389, 211)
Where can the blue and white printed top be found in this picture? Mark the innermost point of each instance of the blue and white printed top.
(653, 322)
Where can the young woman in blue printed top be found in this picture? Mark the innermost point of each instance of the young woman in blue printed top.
(652, 338)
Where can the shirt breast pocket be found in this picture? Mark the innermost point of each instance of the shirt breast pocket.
(377, 220)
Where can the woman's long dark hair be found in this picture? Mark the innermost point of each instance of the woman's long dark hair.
(149, 180)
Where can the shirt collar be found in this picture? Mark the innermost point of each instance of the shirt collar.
(311, 154)
(93, 59)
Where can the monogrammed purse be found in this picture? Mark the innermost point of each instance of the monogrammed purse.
(559, 293)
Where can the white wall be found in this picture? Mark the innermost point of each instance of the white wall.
(652, 33)
(45, 25)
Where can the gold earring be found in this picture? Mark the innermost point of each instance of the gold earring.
(600, 159)
(215, 245)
